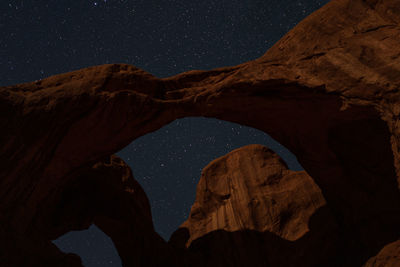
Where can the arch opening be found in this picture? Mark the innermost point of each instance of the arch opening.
(93, 246)
(168, 163)
(318, 126)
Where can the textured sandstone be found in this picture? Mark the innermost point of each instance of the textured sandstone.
(249, 194)
(328, 90)
(251, 188)
(389, 256)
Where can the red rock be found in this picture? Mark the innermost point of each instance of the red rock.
(251, 188)
(249, 195)
(328, 91)
(389, 256)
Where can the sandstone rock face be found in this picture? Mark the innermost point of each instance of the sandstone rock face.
(328, 91)
(389, 256)
(250, 195)
(251, 188)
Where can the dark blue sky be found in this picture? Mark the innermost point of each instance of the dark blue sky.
(41, 38)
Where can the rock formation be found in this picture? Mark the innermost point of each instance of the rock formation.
(249, 206)
(328, 91)
(252, 188)
(389, 256)
(105, 194)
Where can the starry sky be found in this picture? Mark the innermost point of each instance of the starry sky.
(41, 38)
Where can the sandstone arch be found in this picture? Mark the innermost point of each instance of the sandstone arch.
(328, 91)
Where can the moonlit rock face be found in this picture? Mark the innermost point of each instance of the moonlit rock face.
(388, 256)
(251, 188)
(249, 194)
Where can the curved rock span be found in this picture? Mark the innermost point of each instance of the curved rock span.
(328, 91)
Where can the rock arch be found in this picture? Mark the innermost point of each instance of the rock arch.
(327, 91)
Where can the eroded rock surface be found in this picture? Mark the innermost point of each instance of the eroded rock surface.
(328, 91)
(251, 188)
(389, 256)
(249, 195)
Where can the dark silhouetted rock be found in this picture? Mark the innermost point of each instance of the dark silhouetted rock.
(105, 194)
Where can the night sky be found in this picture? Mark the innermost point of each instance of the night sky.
(42, 38)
